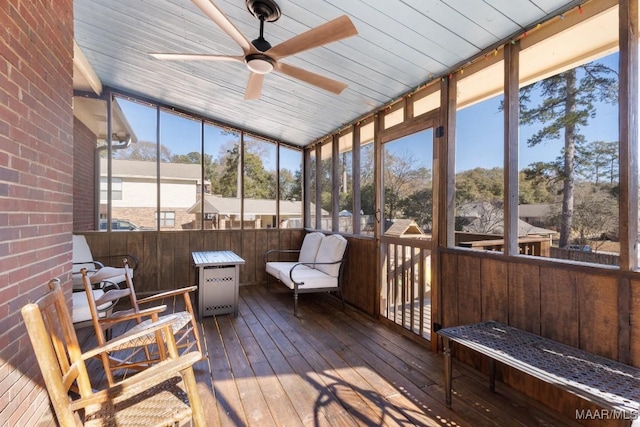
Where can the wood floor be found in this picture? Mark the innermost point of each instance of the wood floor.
(334, 367)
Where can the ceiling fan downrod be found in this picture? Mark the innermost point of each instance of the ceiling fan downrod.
(264, 10)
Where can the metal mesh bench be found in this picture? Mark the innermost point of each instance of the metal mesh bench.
(608, 383)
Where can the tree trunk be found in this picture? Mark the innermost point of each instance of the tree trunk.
(569, 160)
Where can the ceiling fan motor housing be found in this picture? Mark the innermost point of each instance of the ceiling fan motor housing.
(266, 10)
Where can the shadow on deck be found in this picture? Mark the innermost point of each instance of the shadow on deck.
(334, 367)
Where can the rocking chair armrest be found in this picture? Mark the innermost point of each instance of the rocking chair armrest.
(144, 380)
(167, 294)
(281, 251)
(133, 315)
(117, 343)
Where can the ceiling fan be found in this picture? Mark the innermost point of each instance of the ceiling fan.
(258, 54)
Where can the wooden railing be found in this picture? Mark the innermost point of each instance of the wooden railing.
(537, 246)
(406, 289)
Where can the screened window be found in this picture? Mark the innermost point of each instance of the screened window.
(259, 179)
(180, 169)
(325, 180)
(479, 174)
(407, 179)
(134, 163)
(367, 183)
(290, 186)
(569, 141)
(223, 177)
(345, 174)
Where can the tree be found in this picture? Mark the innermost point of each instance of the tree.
(599, 160)
(145, 151)
(419, 207)
(401, 179)
(567, 102)
(596, 214)
(290, 184)
(479, 184)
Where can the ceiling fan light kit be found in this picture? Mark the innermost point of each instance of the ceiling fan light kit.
(260, 57)
(260, 63)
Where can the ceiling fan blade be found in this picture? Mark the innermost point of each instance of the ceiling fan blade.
(216, 15)
(328, 32)
(322, 82)
(196, 57)
(254, 86)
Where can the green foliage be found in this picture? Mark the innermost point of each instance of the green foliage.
(419, 207)
(479, 184)
(290, 184)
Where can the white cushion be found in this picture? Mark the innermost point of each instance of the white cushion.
(310, 246)
(312, 278)
(274, 268)
(81, 311)
(331, 249)
(81, 254)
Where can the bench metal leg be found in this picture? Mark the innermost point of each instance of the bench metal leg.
(447, 371)
(295, 304)
(492, 374)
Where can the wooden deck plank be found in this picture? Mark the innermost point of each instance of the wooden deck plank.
(322, 376)
(333, 367)
(253, 401)
(292, 370)
(280, 406)
(355, 393)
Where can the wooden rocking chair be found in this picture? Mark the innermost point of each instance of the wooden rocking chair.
(146, 353)
(164, 394)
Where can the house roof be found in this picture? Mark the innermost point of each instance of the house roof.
(404, 228)
(401, 45)
(143, 169)
(534, 210)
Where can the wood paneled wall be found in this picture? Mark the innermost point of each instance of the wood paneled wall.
(589, 307)
(165, 257)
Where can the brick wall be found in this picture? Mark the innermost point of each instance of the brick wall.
(84, 151)
(36, 156)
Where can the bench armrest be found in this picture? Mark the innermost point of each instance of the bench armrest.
(279, 251)
(132, 260)
(311, 265)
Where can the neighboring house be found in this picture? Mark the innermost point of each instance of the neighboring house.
(134, 192)
(405, 228)
(224, 212)
(485, 218)
(535, 213)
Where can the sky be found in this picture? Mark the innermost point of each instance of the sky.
(479, 132)
(182, 135)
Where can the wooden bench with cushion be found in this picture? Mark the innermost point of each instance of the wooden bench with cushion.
(609, 384)
(318, 269)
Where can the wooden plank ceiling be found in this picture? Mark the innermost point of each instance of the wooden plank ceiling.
(401, 44)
